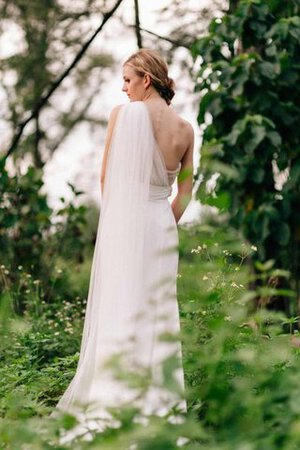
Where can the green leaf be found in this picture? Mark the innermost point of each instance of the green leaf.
(264, 266)
(221, 201)
(212, 149)
(211, 102)
(274, 138)
(258, 135)
(229, 172)
(268, 69)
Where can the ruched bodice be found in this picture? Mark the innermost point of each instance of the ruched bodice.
(161, 191)
(172, 174)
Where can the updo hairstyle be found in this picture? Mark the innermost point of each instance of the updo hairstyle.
(146, 61)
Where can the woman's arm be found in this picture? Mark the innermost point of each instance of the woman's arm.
(111, 123)
(185, 179)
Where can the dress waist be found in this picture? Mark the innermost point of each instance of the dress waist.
(159, 192)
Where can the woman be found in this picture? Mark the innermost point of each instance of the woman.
(132, 295)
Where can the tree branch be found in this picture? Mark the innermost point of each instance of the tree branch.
(137, 24)
(56, 83)
(172, 41)
(36, 149)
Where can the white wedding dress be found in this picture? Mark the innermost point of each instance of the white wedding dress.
(132, 298)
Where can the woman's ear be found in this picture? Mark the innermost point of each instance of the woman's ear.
(147, 80)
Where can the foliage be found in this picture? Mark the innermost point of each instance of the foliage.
(240, 366)
(25, 216)
(33, 237)
(187, 21)
(249, 80)
(241, 369)
(241, 363)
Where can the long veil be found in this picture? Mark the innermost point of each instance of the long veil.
(116, 283)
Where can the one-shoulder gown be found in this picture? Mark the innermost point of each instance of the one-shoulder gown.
(132, 309)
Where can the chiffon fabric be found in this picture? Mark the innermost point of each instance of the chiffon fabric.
(132, 301)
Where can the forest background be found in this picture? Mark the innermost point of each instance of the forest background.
(238, 281)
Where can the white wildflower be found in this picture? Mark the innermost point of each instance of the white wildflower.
(198, 249)
(228, 318)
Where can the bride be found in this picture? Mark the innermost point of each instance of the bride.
(132, 303)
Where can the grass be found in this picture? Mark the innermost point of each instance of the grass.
(241, 367)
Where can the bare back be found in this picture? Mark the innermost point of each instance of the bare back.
(173, 135)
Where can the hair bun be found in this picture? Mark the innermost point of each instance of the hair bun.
(170, 84)
(167, 91)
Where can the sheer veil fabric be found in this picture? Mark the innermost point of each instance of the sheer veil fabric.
(132, 296)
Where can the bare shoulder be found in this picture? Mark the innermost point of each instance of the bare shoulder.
(114, 112)
(113, 117)
(187, 132)
(188, 128)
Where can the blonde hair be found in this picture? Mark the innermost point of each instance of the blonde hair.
(146, 61)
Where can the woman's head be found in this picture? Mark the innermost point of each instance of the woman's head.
(144, 70)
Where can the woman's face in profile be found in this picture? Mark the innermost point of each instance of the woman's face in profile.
(133, 84)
